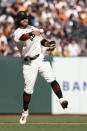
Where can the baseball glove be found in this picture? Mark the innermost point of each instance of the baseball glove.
(51, 45)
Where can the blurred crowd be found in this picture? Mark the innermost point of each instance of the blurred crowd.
(64, 21)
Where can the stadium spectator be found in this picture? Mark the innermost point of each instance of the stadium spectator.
(83, 46)
(62, 49)
(61, 20)
(3, 37)
(74, 48)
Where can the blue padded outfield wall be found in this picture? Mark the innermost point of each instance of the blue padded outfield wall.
(11, 89)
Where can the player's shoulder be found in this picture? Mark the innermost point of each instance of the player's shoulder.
(17, 30)
(17, 33)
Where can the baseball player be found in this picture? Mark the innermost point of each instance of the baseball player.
(29, 41)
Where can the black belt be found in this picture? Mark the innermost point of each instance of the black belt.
(27, 58)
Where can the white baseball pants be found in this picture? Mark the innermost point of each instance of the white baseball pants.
(31, 69)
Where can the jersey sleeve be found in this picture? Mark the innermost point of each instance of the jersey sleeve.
(17, 36)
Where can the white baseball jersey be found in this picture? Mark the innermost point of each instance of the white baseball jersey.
(28, 47)
(32, 67)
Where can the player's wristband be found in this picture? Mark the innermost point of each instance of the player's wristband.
(25, 37)
(43, 42)
(30, 34)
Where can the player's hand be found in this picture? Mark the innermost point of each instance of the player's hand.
(36, 33)
(31, 37)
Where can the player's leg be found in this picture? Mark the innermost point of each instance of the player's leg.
(57, 89)
(29, 74)
(26, 101)
(47, 73)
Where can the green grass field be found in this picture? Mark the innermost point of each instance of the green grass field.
(44, 123)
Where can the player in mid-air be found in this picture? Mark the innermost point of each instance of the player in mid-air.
(29, 40)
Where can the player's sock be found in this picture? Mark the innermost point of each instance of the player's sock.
(26, 100)
(56, 88)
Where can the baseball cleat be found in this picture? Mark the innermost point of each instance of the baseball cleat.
(23, 118)
(63, 102)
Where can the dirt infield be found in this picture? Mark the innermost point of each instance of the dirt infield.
(42, 123)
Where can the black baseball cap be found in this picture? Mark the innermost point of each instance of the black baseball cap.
(22, 15)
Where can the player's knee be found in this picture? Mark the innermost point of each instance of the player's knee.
(28, 91)
(27, 94)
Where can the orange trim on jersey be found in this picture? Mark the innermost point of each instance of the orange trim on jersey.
(24, 37)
